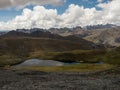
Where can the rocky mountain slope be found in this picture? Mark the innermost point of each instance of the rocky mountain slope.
(107, 36)
(99, 26)
(2, 32)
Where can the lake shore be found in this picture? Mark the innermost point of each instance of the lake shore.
(40, 80)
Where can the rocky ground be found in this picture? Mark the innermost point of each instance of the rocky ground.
(38, 80)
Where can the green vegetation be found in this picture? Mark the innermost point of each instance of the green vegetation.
(13, 51)
(24, 46)
(9, 60)
(78, 67)
(87, 56)
(113, 56)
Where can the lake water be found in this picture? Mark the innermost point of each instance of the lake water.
(38, 62)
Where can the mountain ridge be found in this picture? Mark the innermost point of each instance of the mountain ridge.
(107, 35)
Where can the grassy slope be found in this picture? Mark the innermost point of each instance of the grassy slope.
(9, 59)
(14, 50)
(78, 67)
(25, 45)
(69, 56)
(113, 56)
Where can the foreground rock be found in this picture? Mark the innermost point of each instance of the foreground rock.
(37, 80)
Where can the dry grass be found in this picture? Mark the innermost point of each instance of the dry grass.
(76, 68)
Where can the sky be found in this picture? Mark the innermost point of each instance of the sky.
(18, 14)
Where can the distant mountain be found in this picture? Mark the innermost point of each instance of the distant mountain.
(30, 30)
(46, 35)
(3, 32)
(41, 33)
(30, 33)
(69, 31)
(65, 31)
(100, 26)
(59, 31)
(108, 36)
(79, 30)
(14, 34)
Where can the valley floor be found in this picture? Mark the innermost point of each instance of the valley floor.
(39, 80)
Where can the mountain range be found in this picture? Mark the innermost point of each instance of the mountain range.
(17, 42)
(64, 44)
(108, 35)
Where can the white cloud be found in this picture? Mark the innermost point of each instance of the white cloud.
(110, 11)
(75, 15)
(99, 1)
(22, 3)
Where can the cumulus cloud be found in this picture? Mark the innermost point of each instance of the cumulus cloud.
(75, 15)
(100, 1)
(22, 3)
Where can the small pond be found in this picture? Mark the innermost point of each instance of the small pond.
(38, 62)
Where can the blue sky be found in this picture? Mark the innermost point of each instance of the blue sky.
(10, 13)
